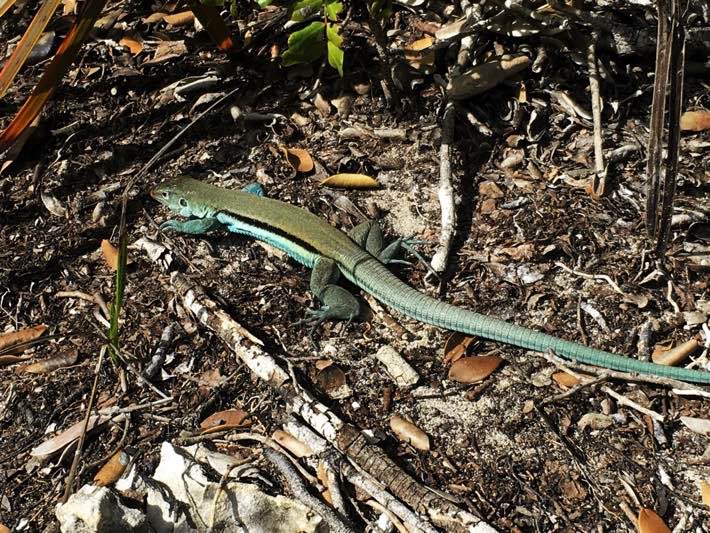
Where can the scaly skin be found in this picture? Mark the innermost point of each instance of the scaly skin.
(309, 239)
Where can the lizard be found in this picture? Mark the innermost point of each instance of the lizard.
(360, 257)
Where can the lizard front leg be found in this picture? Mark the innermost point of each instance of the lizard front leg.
(196, 226)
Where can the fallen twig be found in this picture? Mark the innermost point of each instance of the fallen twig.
(446, 191)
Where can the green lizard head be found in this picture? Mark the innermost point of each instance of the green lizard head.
(176, 194)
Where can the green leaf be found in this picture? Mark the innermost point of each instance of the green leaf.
(305, 45)
(303, 9)
(336, 56)
(333, 9)
(263, 3)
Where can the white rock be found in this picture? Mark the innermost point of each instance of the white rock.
(97, 509)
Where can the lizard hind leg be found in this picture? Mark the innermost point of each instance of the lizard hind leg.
(337, 302)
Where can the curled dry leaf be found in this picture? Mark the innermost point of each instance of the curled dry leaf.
(292, 444)
(662, 356)
(180, 19)
(486, 76)
(53, 205)
(231, 418)
(154, 17)
(66, 437)
(595, 421)
(298, 158)
(112, 469)
(420, 44)
(9, 342)
(133, 43)
(474, 369)
(110, 253)
(695, 121)
(53, 363)
(12, 359)
(696, 425)
(567, 381)
(350, 181)
(456, 346)
(705, 492)
(650, 522)
(408, 432)
(332, 380)
(4, 529)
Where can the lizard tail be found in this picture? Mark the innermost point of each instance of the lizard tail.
(390, 290)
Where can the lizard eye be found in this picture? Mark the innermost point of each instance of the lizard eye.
(166, 194)
(182, 202)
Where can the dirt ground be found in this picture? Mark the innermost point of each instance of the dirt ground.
(527, 235)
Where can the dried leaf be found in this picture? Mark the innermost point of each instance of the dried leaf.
(110, 253)
(650, 522)
(474, 369)
(53, 363)
(12, 359)
(695, 121)
(292, 444)
(53, 205)
(408, 432)
(298, 158)
(420, 44)
(594, 421)
(23, 336)
(565, 380)
(66, 437)
(167, 50)
(705, 492)
(231, 418)
(112, 469)
(332, 380)
(350, 181)
(180, 19)
(486, 76)
(211, 19)
(134, 44)
(5, 5)
(456, 347)
(696, 425)
(154, 17)
(663, 356)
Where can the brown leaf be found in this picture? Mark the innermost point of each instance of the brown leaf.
(292, 444)
(456, 347)
(350, 181)
(332, 380)
(474, 369)
(231, 418)
(66, 437)
(565, 380)
(10, 340)
(180, 19)
(298, 158)
(110, 253)
(154, 17)
(420, 44)
(12, 359)
(3, 527)
(485, 76)
(705, 492)
(134, 44)
(695, 121)
(211, 19)
(53, 363)
(408, 432)
(650, 522)
(167, 50)
(112, 469)
(663, 356)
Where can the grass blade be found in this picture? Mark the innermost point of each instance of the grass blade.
(24, 47)
(118, 295)
(55, 71)
(5, 5)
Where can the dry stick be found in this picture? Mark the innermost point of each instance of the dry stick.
(345, 437)
(658, 109)
(676, 68)
(630, 403)
(82, 438)
(599, 180)
(300, 491)
(446, 190)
